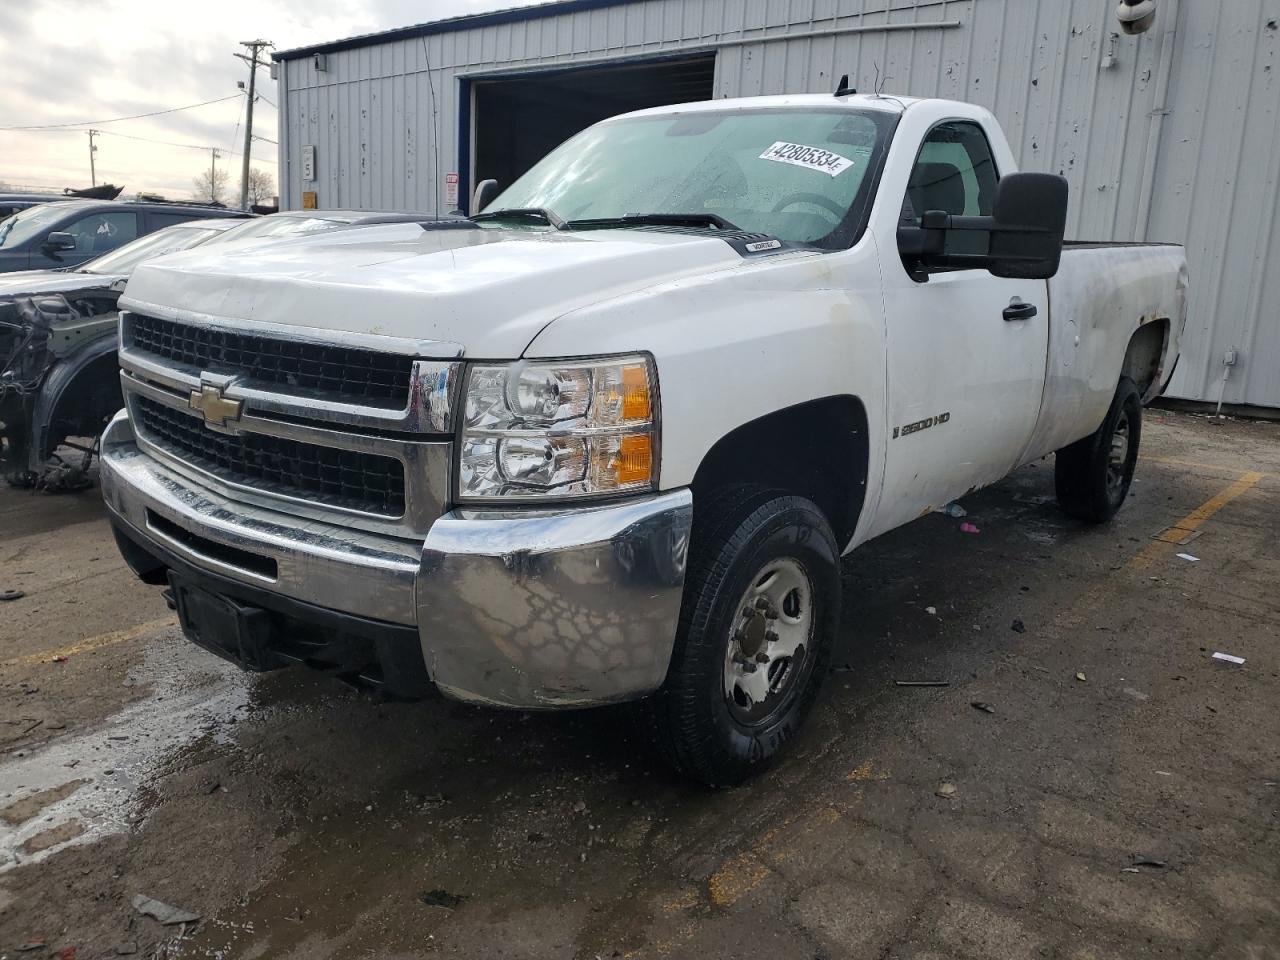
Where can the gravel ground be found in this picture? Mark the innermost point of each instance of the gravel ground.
(1119, 800)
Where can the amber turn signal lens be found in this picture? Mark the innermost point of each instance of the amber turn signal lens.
(635, 393)
(634, 461)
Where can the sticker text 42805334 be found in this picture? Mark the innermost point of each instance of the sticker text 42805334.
(811, 158)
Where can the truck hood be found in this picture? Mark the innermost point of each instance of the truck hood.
(484, 293)
(28, 283)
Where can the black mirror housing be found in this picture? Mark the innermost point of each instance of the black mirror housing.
(1030, 223)
(59, 241)
(1025, 232)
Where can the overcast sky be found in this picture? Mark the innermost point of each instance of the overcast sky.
(69, 61)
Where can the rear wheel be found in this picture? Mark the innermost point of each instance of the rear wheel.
(761, 608)
(1093, 475)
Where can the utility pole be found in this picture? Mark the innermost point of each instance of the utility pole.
(252, 59)
(93, 172)
(213, 176)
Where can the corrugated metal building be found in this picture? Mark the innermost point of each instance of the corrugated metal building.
(1171, 135)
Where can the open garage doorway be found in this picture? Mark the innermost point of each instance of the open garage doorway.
(518, 120)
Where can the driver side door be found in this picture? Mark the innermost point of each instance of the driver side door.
(966, 373)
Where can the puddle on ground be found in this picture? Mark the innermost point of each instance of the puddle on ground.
(86, 785)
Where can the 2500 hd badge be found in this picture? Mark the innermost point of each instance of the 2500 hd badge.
(919, 425)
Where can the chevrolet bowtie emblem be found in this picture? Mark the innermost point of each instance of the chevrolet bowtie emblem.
(217, 409)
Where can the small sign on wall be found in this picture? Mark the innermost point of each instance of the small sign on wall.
(309, 163)
(451, 191)
(308, 200)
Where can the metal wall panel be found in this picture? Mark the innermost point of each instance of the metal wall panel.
(1170, 136)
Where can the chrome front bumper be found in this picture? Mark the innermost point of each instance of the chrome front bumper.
(533, 609)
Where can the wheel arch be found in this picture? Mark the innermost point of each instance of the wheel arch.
(1146, 356)
(818, 449)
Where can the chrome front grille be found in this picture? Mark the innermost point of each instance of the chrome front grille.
(354, 434)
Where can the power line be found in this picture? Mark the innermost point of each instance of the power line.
(138, 116)
(261, 97)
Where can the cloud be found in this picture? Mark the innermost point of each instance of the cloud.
(66, 61)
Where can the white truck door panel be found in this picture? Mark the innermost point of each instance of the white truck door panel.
(965, 383)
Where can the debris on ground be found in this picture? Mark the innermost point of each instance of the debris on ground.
(923, 683)
(984, 707)
(443, 899)
(164, 912)
(31, 945)
(580, 807)
(1081, 677)
(1018, 627)
(947, 791)
(1179, 535)
(931, 611)
(969, 528)
(954, 510)
(1189, 557)
(126, 949)
(1228, 658)
(1140, 860)
(1137, 694)
(6, 595)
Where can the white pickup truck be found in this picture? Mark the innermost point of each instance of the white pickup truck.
(607, 440)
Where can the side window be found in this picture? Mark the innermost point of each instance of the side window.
(956, 173)
(161, 220)
(101, 232)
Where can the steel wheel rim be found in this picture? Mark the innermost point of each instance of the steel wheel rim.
(769, 644)
(1118, 456)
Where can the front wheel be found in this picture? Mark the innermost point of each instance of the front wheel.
(1093, 475)
(757, 626)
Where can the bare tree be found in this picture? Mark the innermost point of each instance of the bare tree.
(211, 185)
(262, 186)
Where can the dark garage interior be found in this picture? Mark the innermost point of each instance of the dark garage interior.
(519, 120)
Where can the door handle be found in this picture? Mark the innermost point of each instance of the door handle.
(1019, 309)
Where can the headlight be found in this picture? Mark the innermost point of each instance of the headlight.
(564, 429)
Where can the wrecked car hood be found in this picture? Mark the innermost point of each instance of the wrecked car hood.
(488, 292)
(28, 283)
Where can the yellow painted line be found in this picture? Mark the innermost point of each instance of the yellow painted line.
(1157, 549)
(94, 643)
(1197, 518)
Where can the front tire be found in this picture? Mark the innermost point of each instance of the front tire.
(757, 627)
(1093, 475)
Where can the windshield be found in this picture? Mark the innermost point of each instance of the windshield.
(277, 226)
(168, 240)
(799, 175)
(25, 224)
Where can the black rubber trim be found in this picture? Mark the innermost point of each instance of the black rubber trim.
(254, 596)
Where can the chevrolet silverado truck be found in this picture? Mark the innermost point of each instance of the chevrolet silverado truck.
(608, 439)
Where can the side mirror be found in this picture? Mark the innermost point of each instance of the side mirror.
(1024, 234)
(59, 241)
(486, 191)
(1030, 224)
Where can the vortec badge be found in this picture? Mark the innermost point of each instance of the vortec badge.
(217, 409)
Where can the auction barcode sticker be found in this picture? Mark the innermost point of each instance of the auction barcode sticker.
(811, 158)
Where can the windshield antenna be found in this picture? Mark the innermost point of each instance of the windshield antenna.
(843, 89)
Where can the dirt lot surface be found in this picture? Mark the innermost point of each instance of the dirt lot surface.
(1120, 800)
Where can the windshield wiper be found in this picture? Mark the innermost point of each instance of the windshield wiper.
(523, 213)
(658, 220)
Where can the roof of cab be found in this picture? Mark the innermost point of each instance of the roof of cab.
(856, 101)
